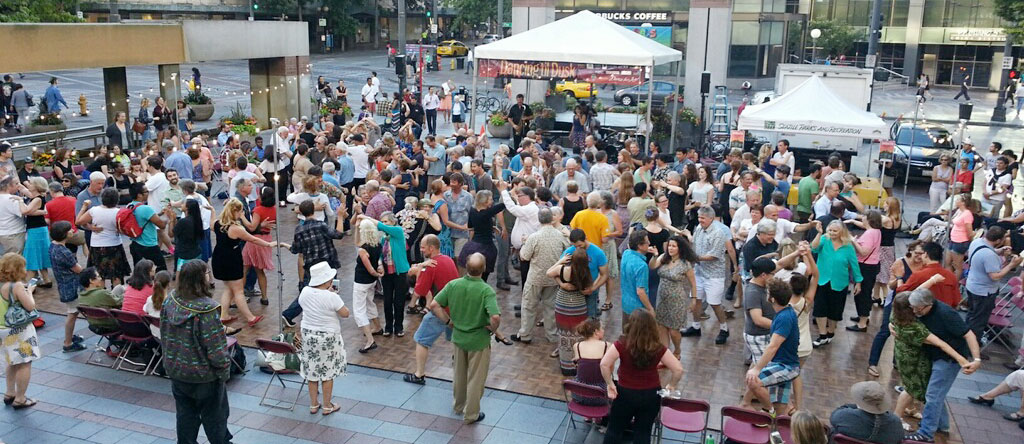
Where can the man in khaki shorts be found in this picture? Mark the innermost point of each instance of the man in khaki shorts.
(12, 216)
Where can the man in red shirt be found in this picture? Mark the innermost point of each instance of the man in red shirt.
(431, 276)
(947, 291)
(62, 207)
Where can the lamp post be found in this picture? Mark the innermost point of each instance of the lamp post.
(815, 33)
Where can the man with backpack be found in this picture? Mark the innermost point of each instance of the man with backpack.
(140, 222)
(985, 270)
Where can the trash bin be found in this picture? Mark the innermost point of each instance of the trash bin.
(461, 63)
(965, 111)
(881, 75)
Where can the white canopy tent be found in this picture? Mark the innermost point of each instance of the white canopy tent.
(812, 108)
(585, 38)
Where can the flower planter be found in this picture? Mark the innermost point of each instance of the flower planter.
(203, 112)
(37, 129)
(500, 132)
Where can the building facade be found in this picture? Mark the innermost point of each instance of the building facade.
(944, 39)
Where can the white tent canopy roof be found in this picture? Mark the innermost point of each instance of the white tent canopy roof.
(583, 37)
(812, 108)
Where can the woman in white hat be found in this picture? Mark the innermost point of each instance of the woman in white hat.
(323, 349)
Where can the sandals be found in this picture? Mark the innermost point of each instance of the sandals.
(873, 371)
(328, 410)
(1014, 416)
(505, 341)
(264, 301)
(313, 409)
(8, 400)
(378, 332)
(412, 378)
(255, 321)
(412, 310)
(28, 403)
(229, 320)
(554, 354)
(606, 306)
(367, 349)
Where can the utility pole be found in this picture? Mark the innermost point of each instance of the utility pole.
(114, 17)
(871, 60)
(434, 21)
(401, 44)
(251, 16)
(376, 25)
(999, 113)
(501, 13)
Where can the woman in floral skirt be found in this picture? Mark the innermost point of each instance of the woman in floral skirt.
(20, 344)
(323, 349)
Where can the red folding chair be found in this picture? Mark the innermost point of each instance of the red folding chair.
(840, 438)
(782, 425)
(268, 346)
(592, 412)
(154, 322)
(682, 415)
(135, 332)
(745, 426)
(94, 314)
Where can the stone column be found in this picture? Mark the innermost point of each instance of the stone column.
(258, 82)
(526, 15)
(170, 86)
(915, 21)
(280, 88)
(115, 92)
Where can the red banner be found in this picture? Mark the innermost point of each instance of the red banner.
(618, 75)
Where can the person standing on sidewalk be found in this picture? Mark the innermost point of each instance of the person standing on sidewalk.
(430, 104)
(474, 315)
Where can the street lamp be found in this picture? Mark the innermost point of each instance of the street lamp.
(815, 33)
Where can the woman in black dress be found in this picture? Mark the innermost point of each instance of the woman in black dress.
(658, 235)
(227, 260)
(481, 221)
(572, 203)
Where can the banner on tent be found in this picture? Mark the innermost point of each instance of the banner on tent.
(834, 130)
(533, 70)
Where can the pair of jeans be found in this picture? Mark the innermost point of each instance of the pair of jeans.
(592, 299)
(935, 417)
(204, 404)
(501, 266)
(432, 121)
(883, 335)
(637, 406)
(977, 315)
(294, 309)
(396, 290)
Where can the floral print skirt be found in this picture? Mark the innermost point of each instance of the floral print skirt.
(20, 344)
(323, 355)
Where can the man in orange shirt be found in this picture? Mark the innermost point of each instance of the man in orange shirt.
(947, 291)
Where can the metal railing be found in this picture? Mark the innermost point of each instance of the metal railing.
(25, 144)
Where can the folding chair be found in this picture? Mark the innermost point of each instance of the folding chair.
(268, 346)
(154, 322)
(745, 426)
(682, 415)
(232, 343)
(840, 438)
(135, 332)
(593, 412)
(93, 314)
(782, 425)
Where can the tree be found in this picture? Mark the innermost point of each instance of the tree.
(836, 38)
(474, 12)
(339, 20)
(37, 11)
(1013, 12)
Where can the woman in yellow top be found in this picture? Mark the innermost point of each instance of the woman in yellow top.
(837, 262)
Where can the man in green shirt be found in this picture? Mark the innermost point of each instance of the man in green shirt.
(807, 190)
(474, 315)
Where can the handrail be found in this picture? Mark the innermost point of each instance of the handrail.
(48, 134)
(891, 72)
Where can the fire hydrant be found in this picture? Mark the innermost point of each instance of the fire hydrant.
(82, 102)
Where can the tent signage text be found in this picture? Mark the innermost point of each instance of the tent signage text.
(535, 70)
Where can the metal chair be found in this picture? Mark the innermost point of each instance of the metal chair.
(593, 412)
(135, 332)
(745, 426)
(268, 346)
(96, 314)
(682, 415)
(154, 322)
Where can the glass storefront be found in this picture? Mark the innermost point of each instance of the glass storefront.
(961, 14)
(955, 61)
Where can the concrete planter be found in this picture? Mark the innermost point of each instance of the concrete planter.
(203, 112)
(500, 132)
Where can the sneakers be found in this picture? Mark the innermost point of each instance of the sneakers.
(690, 332)
(74, 347)
(822, 340)
(287, 322)
(917, 437)
(722, 336)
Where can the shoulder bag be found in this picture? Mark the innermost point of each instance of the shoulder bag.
(17, 315)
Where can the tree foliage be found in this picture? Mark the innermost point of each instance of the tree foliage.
(474, 12)
(1013, 12)
(836, 38)
(338, 18)
(37, 11)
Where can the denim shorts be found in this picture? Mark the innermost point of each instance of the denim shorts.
(430, 329)
(959, 247)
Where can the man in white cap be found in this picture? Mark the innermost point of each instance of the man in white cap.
(868, 418)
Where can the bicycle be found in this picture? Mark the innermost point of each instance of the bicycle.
(486, 103)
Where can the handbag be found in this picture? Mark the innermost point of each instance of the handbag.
(17, 316)
(138, 127)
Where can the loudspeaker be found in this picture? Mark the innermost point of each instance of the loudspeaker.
(400, 64)
(705, 82)
(965, 111)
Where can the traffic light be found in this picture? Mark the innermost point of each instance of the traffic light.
(1014, 74)
(255, 6)
(430, 13)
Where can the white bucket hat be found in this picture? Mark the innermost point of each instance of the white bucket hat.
(321, 272)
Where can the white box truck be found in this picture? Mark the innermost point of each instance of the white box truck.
(850, 83)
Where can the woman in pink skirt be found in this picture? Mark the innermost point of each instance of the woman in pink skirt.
(257, 258)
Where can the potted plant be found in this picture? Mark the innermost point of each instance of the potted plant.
(497, 125)
(201, 104)
(45, 123)
(244, 125)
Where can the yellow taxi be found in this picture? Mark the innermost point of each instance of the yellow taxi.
(452, 48)
(580, 90)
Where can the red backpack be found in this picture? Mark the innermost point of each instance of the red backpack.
(126, 222)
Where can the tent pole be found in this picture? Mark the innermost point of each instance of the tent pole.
(675, 107)
(472, 99)
(649, 127)
(277, 250)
